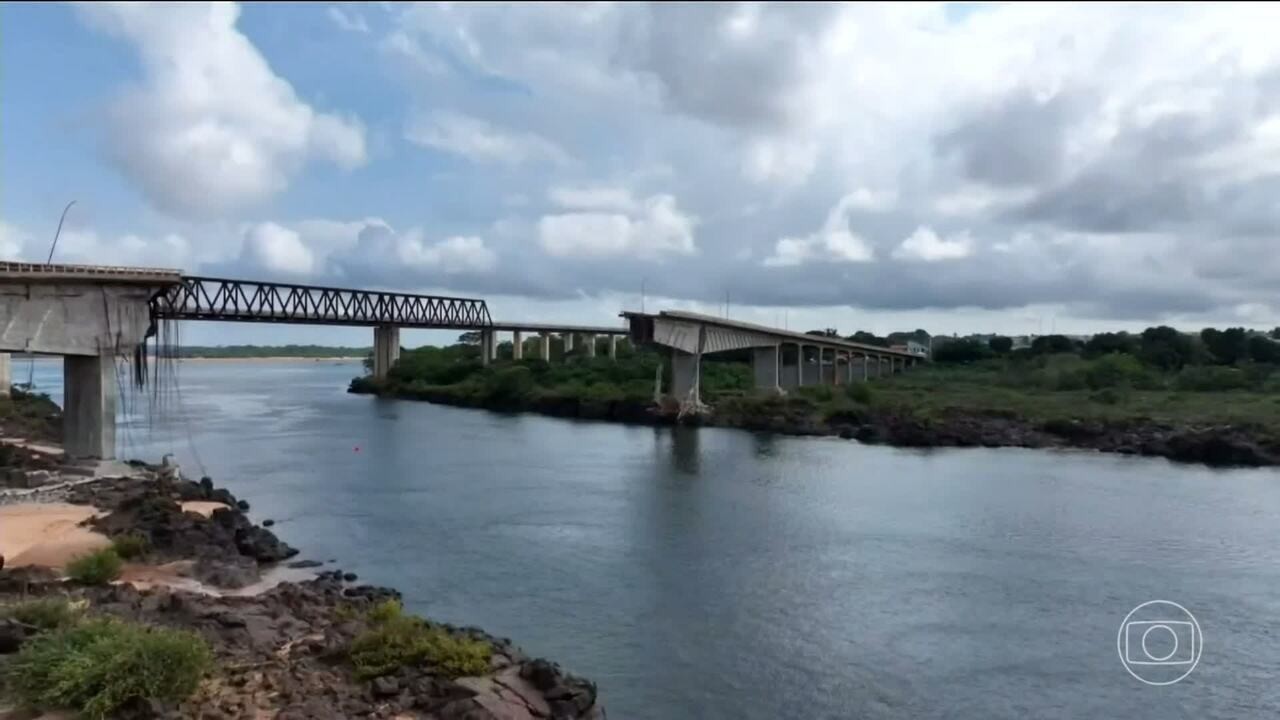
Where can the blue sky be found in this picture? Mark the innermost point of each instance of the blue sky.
(956, 167)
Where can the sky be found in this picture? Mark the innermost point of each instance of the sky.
(1016, 168)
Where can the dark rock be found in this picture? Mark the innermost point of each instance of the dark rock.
(541, 673)
(300, 564)
(268, 522)
(234, 572)
(243, 505)
(350, 577)
(847, 433)
(385, 687)
(206, 484)
(12, 635)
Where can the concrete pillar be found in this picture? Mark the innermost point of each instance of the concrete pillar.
(613, 347)
(836, 372)
(6, 374)
(590, 340)
(789, 375)
(765, 362)
(826, 370)
(517, 345)
(685, 374)
(545, 338)
(800, 363)
(89, 406)
(386, 349)
(487, 346)
(568, 342)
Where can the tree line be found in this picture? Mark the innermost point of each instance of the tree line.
(1161, 347)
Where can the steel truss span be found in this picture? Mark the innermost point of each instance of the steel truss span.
(205, 298)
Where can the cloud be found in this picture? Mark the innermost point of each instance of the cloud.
(479, 141)
(835, 242)
(654, 229)
(350, 20)
(593, 198)
(925, 245)
(211, 128)
(12, 241)
(277, 250)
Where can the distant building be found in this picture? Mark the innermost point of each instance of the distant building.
(913, 347)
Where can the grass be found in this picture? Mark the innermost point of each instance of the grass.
(395, 640)
(43, 613)
(130, 545)
(96, 667)
(96, 568)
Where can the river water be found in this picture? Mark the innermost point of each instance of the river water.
(719, 574)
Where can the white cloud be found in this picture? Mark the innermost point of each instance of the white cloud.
(277, 250)
(211, 128)
(835, 242)
(478, 140)
(351, 21)
(12, 241)
(925, 245)
(655, 228)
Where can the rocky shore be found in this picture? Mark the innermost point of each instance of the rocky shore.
(287, 651)
(1212, 445)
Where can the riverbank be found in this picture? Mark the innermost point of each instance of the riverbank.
(918, 409)
(212, 590)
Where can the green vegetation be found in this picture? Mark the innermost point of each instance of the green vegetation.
(30, 415)
(396, 640)
(96, 568)
(130, 545)
(270, 351)
(42, 613)
(98, 666)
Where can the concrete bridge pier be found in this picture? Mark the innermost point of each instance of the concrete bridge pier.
(590, 341)
(545, 341)
(766, 365)
(386, 349)
(686, 376)
(6, 374)
(486, 346)
(568, 342)
(613, 347)
(89, 406)
(517, 345)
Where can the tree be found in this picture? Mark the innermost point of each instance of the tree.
(1263, 350)
(867, 338)
(1051, 344)
(469, 338)
(1226, 346)
(1165, 347)
(1275, 334)
(829, 332)
(1000, 344)
(1108, 343)
(964, 350)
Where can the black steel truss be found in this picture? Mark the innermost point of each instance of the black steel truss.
(203, 298)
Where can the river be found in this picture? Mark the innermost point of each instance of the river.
(719, 574)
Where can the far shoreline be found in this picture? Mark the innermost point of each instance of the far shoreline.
(273, 358)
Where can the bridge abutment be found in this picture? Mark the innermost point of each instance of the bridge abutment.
(386, 349)
(89, 406)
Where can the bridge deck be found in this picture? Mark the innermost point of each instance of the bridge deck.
(24, 272)
(783, 335)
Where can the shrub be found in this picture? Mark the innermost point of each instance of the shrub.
(819, 393)
(45, 613)
(509, 385)
(131, 545)
(859, 392)
(98, 666)
(1210, 378)
(1107, 396)
(96, 568)
(1114, 370)
(396, 640)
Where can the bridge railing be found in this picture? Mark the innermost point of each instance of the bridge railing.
(205, 298)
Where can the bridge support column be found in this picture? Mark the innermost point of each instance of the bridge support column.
(386, 349)
(826, 370)
(568, 342)
(836, 372)
(765, 364)
(788, 375)
(613, 347)
(866, 367)
(486, 346)
(6, 374)
(545, 341)
(686, 374)
(590, 341)
(89, 407)
(517, 345)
